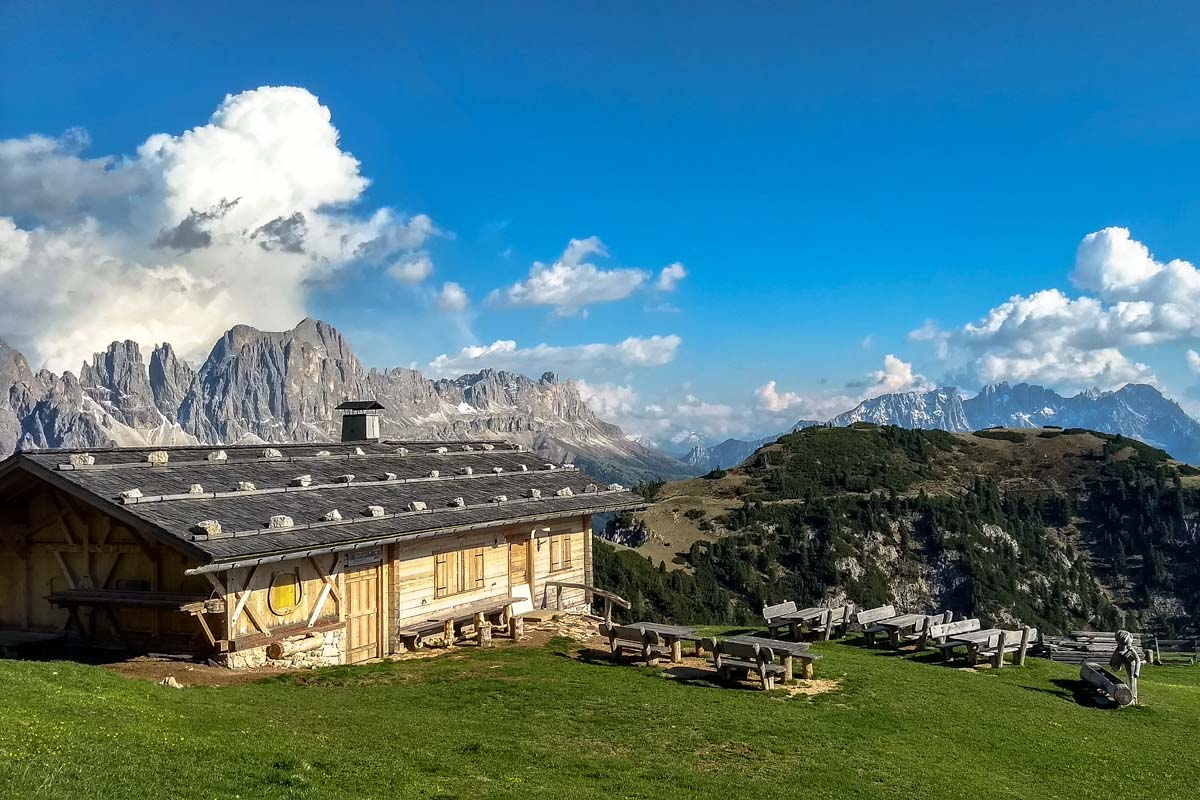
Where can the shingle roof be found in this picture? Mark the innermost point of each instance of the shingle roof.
(360, 405)
(462, 485)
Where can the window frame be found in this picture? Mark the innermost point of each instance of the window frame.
(458, 572)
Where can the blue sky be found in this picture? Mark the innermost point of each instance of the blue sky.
(830, 179)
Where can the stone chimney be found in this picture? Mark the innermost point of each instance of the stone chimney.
(360, 420)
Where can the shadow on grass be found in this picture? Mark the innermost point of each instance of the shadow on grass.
(1075, 691)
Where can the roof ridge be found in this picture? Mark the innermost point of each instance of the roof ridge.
(167, 498)
(397, 514)
(68, 467)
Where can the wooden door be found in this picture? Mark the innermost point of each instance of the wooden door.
(362, 613)
(518, 562)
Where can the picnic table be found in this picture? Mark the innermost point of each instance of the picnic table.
(800, 619)
(901, 625)
(673, 635)
(787, 651)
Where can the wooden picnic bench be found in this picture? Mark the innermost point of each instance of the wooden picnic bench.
(992, 644)
(834, 620)
(673, 637)
(939, 632)
(737, 657)
(819, 620)
(646, 643)
(788, 652)
(869, 618)
(478, 613)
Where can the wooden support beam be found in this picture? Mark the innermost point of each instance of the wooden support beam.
(112, 568)
(212, 640)
(326, 590)
(66, 570)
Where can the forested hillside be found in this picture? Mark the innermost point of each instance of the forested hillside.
(1057, 528)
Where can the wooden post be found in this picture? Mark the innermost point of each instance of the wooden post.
(998, 659)
(807, 669)
(608, 604)
(794, 629)
(448, 633)
(676, 651)
(517, 627)
(1019, 660)
(788, 674)
(558, 598)
(827, 618)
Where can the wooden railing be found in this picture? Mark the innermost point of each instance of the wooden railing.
(609, 598)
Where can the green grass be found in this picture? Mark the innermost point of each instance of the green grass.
(529, 722)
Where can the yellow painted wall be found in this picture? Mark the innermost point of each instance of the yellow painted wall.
(258, 581)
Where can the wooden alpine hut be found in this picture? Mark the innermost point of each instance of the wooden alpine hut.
(306, 554)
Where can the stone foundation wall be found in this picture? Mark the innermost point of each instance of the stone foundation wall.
(328, 654)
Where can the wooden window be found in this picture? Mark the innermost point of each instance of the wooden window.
(284, 595)
(560, 552)
(458, 571)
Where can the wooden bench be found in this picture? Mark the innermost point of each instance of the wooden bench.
(867, 618)
(647, 644)
(992, 644)
(736, 660)
(784, 652)
(835, 620)
(448, 622)
(939, 632)
(1015, 642)
(775, 616)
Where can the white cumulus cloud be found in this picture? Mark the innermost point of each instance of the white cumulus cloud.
(452, 297)
(1129, 300)
(653, 351)
(572, 282)
(413, 268)
(225, 223)
(670, 277)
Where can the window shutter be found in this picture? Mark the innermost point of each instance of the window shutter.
(440, 575)
(478, 562)
(565, 551)
(555, 555)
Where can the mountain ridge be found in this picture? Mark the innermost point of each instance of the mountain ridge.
(1139, 411)
(281, 386)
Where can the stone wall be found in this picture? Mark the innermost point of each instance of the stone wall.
(329, 653)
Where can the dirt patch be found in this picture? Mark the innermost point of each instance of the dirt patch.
(155, 670)
(811, 687)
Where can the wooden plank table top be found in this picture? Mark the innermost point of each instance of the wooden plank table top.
(674, 635)
(667, 631)
(973, 637)
(778, 645)
(902, 622)
(805, 614)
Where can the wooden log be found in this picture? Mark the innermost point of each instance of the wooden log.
(517, 627)
(1019, 658)
(827, 620)
(1097, 676)
(998, 658)
(290, 647)
(806, 669)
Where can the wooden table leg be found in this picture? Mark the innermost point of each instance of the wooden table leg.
(807, 670)
(699, 648)
(788, 676)
(676, 651)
